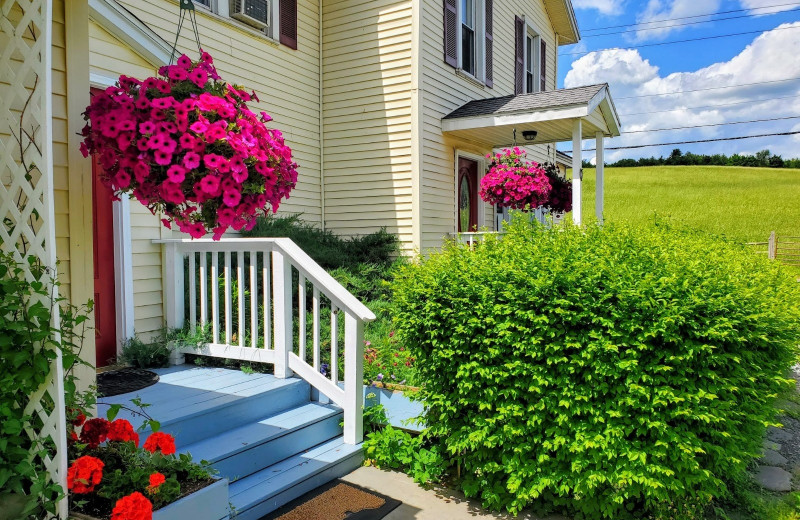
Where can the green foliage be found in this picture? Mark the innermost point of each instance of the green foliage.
(397, 449)
(610, 371)
(152, 354)
(764, 158)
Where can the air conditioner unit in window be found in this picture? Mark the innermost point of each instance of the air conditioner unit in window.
(251, 12)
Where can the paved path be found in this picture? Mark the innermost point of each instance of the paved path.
(422, 504)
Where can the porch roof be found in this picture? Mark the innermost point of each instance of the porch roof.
(552, 114)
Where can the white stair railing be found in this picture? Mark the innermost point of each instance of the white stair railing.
(242, 290)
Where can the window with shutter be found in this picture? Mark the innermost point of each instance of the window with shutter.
(489, 44)
(519, 54)
(450, 33)
(543, 66)
(288, 23)
(468, 43)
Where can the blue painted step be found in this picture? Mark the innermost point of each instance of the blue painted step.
(222, 412)
(248, 449)
(263, 492)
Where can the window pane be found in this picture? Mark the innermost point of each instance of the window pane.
(529, 54)
(468, 13)
(467, 49)
(529, 82)
(464, 204)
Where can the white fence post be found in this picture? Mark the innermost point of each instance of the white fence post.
(773, 246)
(174, 294)
(353, 379)
(282, 311)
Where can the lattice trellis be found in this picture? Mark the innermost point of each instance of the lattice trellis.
(27, 224)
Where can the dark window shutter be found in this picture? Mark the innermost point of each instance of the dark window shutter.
(519, 54)
(450, 33)
(288, 23)
(543, 66)
(489, 44)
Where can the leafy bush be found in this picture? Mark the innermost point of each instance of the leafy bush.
(610, 371)
(141, 354)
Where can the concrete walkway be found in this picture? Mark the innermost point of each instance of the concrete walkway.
(425, 504)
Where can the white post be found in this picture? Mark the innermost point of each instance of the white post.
(599, 189)
(282, 312)
(353, 379)
(174, 292)
(577, 171)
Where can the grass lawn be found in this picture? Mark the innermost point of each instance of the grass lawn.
(744, 204)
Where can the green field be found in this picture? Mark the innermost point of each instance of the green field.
(744, 204)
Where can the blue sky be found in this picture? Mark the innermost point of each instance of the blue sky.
(771, 53)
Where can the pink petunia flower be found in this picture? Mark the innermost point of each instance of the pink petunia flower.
(176, 173)
(231, 198)
(209, 184)
(191, 161)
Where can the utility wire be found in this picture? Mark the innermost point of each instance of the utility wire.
(671, 26)
(712, 124)
(690, 17)
(696, 141)
(673, 42)
(710, 88)
(748, 102)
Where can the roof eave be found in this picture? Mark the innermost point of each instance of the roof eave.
(129, 29)
(568, 34)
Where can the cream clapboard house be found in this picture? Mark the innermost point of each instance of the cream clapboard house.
(390, 107)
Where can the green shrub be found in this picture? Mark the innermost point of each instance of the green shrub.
(609, 371)
(141, 354)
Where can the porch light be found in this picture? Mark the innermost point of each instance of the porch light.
(529, 135)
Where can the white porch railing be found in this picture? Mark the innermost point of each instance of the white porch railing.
(474, 237)
(243, 290)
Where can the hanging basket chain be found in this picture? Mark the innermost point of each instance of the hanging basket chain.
(186, 9)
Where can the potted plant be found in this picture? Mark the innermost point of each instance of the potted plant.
(186, 145)
(112, 477)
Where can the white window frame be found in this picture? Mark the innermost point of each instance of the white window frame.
(480, 39)
(222, 8)
(481, 160)
(532, 31)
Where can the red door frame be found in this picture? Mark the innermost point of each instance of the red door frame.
(467, 173)
(105, 311)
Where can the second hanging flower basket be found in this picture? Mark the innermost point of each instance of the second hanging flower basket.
(186, 145)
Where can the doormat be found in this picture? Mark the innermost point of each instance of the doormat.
(124, 380)
(337, 500)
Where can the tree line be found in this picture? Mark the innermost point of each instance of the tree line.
(762, 159)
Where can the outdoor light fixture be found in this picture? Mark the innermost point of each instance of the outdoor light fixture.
(529, 135)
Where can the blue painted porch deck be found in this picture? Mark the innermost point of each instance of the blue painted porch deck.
(264, 434)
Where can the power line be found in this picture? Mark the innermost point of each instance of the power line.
(690, 17)
(710, 88)
(703, 38)
(748, 102)
(671, 26)
(713, 124)
(696, 141)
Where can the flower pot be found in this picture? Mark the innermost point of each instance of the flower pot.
(208, 503)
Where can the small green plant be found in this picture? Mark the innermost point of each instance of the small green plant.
(606, 371)
(141, 354)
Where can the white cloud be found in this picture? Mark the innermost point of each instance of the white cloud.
(662, 17)
(762, 7)
(769, 57)
(607, 7)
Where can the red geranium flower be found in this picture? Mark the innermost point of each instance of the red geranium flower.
(94, 432)
(159, 441)
(156, 479)
(79, 418)
(133, 507)
(122, 431)
(84, 474)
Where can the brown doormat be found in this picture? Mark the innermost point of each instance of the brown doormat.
(337, 500)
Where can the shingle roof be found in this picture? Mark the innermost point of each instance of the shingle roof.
(527, 102)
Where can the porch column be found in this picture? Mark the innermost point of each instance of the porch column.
(577, 172)
(599, 184)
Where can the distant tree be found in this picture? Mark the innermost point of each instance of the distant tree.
(762, 157)
(776, 161)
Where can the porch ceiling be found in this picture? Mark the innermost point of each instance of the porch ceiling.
(552, 114)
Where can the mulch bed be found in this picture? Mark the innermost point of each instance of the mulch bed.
(337, 500)
(124, 380)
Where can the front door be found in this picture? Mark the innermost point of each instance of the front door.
(467, 195)
(104, 297)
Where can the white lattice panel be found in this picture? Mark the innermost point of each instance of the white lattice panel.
(26, 184)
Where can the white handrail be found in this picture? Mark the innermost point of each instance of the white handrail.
(276, 318)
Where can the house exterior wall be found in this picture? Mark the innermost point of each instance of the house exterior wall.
(367, 106)
(444, 90)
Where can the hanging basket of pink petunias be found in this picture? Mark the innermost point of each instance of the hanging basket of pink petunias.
(512, 182)
(186, 145)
